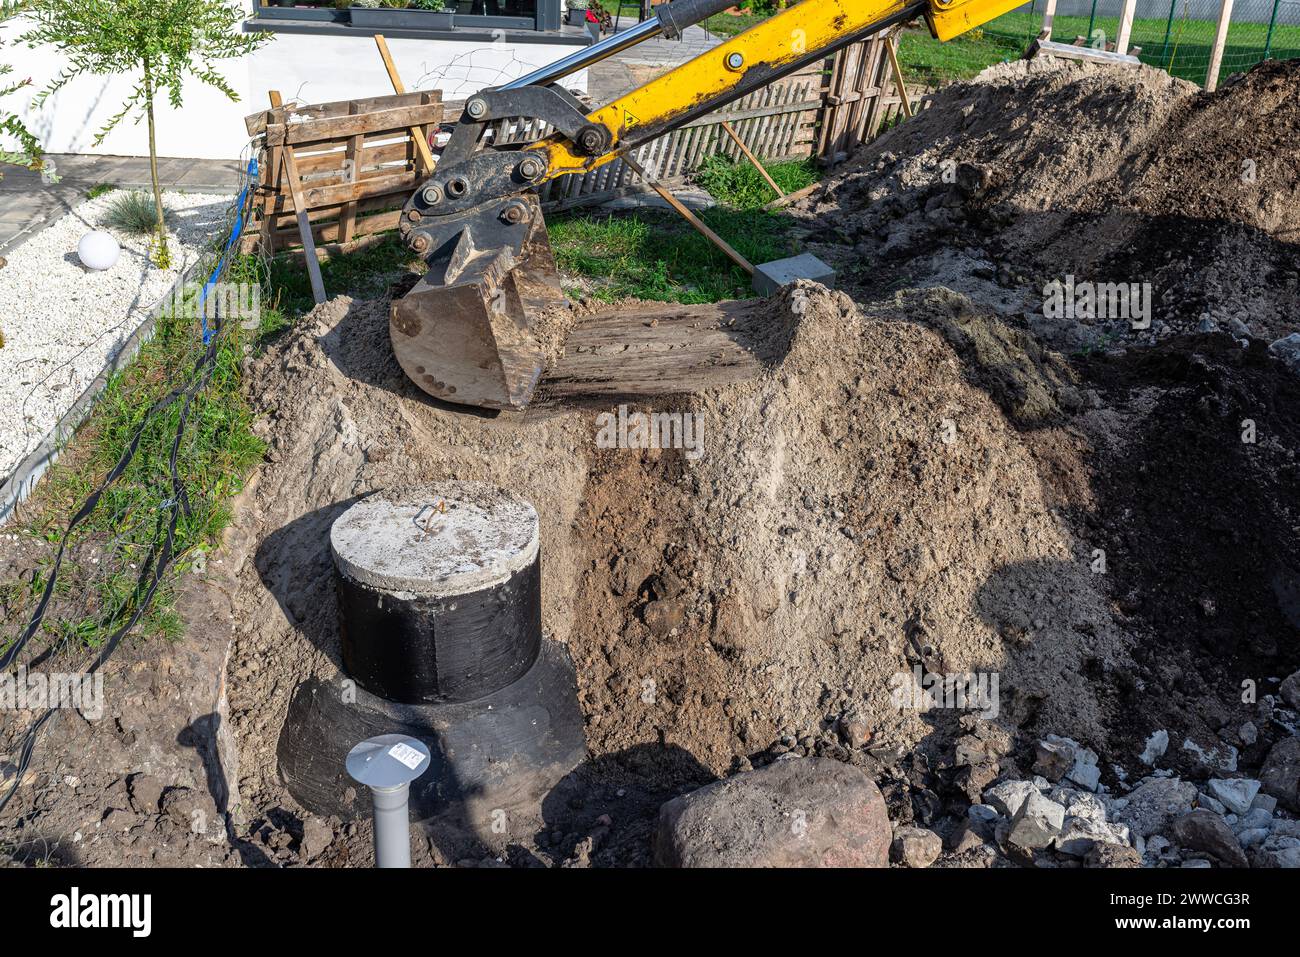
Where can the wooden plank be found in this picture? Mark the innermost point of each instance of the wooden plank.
(304, 227)
(327, 251)
(340, 127)
(661, 349)
(1125, 28)
(419, 134)
(369, 157)
(378, 223)
(898, 79)
(873, 81)
(752, 158)
(365, 207)
(348, 221)
(794, 197)
(258, 122)
(1049, 14)
(1216, 51)
(700, 226)
(398, 194)
(271, 179)
(363, 188)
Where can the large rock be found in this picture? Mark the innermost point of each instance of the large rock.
(1085, 772)
(1152, 805)
(1009, 795)
(1290, 690)
(1054, 757)
(1210, 756)
(1079, 835)
(1288, 350)
(1235, 794)
(916, 846)
(1155, 748)
(1280, 775)
(1276, 851)
(796, 812)
(1037, 823)
(1203, 830)
(1112, 856)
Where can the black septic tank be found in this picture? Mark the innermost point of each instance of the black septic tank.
(440, 626)
(440, 593)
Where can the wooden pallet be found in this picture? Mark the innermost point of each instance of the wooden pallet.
(357, 163)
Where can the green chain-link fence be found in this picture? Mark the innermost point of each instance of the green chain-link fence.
(1175, 35)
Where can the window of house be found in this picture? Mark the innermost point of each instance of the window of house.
(471, 14)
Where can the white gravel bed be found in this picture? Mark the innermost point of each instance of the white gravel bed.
(63, 322)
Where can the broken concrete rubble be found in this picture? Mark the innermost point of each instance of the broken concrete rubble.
(916, 847)
(1037, 822)
(1008, 796)
(1153, 805)
(1203, 830)
(1280, 775)
(1156, 746)
(1236, 794)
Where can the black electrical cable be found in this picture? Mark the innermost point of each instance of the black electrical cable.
(155, 565)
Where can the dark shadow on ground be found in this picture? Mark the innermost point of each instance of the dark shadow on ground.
(609, 804)
(201, 735)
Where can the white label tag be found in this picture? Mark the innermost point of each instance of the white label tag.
(407, 755)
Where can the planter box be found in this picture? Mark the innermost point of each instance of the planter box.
(392, 18)
(267, 11)
(577, 17)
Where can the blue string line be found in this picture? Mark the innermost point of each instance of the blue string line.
(250, 177)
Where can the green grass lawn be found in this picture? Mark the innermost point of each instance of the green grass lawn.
(365, 273)
(215, 452)
(727, 25)
(655, 255)
(1186, 54)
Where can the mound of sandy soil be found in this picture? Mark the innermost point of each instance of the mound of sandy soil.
(858, 510)
(912, 480)
(1038, 170)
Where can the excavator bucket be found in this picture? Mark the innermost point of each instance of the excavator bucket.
(467, 332)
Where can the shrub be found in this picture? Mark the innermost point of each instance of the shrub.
(132, 212)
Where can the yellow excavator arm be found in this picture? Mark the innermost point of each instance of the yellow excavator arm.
(466, 332)
(801, 33)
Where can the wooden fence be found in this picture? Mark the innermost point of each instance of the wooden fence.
(824, 111)
(861, 99)
(827, 110)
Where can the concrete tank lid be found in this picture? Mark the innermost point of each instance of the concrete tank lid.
(449, 538)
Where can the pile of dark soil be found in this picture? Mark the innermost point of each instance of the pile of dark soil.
(1039, 170)
(1197, 505)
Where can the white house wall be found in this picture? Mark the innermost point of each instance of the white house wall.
(306, 68)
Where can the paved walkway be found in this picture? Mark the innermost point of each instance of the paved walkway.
(611, 78)
(27, 203)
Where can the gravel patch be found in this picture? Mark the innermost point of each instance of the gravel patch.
(62, 323)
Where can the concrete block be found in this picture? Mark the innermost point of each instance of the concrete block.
(769, 277)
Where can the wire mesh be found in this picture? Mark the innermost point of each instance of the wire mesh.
(1175, 35)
